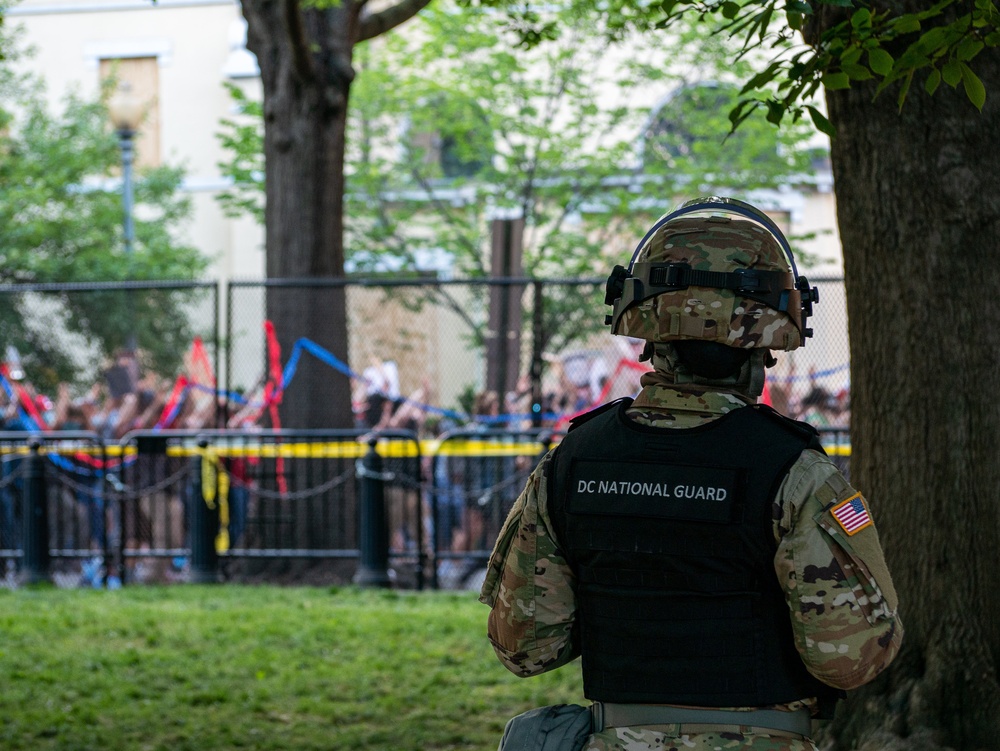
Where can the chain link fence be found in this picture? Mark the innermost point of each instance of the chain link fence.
(539, 346)
(440, 344)
(466, 382)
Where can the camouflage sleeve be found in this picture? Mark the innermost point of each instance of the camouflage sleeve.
(530, 588)
(831, 566)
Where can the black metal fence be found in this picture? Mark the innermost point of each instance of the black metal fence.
(275, 506)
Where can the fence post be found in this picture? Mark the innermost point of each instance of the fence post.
(373, 567)
(204, 527)
(34, 512)
(537, 351)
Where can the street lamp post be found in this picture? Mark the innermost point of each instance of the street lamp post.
(126, 114)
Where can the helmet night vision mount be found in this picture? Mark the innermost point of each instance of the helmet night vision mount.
(629, 287)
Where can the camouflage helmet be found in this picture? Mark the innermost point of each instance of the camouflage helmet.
(715, 270)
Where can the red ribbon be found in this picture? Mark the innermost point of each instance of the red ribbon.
(200, 357)
(179, 385)
(272, 396)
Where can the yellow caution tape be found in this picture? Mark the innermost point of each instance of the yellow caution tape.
(215, 482)
(345, 449)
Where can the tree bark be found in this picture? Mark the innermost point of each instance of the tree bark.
(918, 195)
(305, 57)
(305, 65)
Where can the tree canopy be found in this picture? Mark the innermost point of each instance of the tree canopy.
(451, 125)
(796, 60)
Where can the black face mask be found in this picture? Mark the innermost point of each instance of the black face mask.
(711, 360)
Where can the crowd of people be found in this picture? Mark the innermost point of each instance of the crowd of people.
(464, 497)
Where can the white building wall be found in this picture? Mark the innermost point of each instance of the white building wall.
(191, 41)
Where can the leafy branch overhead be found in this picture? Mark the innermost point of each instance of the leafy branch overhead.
(869, 42)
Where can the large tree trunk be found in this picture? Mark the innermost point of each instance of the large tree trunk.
(305, 64)
(918, 196)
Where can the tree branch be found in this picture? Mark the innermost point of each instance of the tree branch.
(375, 24)
(445, 213)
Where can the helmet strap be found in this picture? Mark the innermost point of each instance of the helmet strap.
(755, 368)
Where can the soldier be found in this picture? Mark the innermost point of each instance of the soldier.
(722, 581)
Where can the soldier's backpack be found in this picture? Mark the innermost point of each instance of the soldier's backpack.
(561, 727)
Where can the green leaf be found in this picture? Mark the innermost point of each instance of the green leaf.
(762, 78)
(880, 61)
(850, 56)
(907, 24)
(904, 90)
(862, 18)
(730, 10)
(931, 40)
(820, 121)
(974, 88)
(834, 81)
(952, 73)
(857, 72)
(933, 81)
(765, 21)
(775, 111)
(737, 114)
(968, 49)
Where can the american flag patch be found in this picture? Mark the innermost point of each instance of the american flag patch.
(852, 515)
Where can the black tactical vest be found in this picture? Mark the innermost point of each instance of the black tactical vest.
(669, 534)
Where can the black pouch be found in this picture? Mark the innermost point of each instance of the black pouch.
(561, 727)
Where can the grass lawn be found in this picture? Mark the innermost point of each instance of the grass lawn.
(234, 667)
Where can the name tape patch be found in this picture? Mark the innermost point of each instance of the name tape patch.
(852, 515)
(653, 489)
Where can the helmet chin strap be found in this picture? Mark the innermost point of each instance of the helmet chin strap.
(749, 381)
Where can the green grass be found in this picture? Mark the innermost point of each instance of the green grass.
(234, 667)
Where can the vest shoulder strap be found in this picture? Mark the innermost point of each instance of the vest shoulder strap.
(803, 430)
(588, 416)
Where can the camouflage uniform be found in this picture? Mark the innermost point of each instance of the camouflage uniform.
(726, 283)
(838, 590)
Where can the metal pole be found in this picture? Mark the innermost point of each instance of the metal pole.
(537, 350)
(125, 136)
(35, 519)
(229, 347)
(373, 567)
(204, 528)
